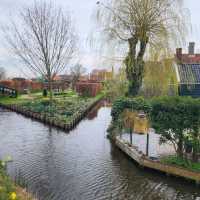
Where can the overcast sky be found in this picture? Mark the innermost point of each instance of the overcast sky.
(81, 11)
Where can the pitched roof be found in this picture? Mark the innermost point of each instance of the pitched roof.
(189, 73)
(190, 58)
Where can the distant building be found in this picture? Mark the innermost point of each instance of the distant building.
(101, 75)
(88, 88)
(188, 71)
(22, 85)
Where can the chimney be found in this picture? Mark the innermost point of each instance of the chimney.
(179, 54)
(191, 48)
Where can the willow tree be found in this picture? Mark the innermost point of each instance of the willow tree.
(44, 40)
(159, 78)
(142, 25)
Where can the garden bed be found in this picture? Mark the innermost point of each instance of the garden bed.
(65, 111)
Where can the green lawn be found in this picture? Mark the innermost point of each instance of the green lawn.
(175, 160)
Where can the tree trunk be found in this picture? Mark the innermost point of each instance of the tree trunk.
(180, 148)
(195, 149)
(135, 66)
(50, 91)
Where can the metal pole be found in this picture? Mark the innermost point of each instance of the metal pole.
(147, 145)
(131, 138)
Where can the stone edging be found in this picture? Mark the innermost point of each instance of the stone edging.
(47, 120)
(144, 161)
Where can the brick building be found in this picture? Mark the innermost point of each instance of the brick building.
(86, 88)
(22, 85)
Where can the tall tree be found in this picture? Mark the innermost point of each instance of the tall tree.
(44, 41)
(76, 72)
(141, 24)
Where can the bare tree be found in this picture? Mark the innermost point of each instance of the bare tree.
(2, 73)
(142, 25)
(76, 72)
(45, 41)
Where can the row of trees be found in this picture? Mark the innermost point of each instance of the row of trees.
(45, 38)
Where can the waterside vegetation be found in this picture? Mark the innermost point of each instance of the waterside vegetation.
(175, 119)
(8, 190)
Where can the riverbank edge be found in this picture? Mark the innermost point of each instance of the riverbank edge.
(48, 121)
(145, 162)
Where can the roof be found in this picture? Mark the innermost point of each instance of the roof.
(190, 58)
(189, 73)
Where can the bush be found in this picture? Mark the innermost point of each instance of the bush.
(45, 93)
(177, 119)
(129, 103)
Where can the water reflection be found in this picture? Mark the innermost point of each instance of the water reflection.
(81, 165)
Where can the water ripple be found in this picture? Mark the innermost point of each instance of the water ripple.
(81, 165)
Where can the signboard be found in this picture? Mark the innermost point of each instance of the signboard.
(137, 121)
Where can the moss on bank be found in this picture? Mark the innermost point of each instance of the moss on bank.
(181, 162)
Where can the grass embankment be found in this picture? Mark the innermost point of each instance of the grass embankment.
(65, 107)
(181, 162)
(8, 191)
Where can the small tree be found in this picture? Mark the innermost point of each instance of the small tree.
(142, 25)
(45, 40)
(76, 72)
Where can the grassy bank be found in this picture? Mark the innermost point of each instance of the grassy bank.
(181, 162)
(8, 190)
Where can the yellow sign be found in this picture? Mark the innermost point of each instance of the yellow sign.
(138, 122)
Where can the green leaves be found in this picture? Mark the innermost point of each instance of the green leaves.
(129, 103)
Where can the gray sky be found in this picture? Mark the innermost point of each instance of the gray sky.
(81, 11)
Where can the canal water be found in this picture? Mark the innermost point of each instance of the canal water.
(81, 165)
